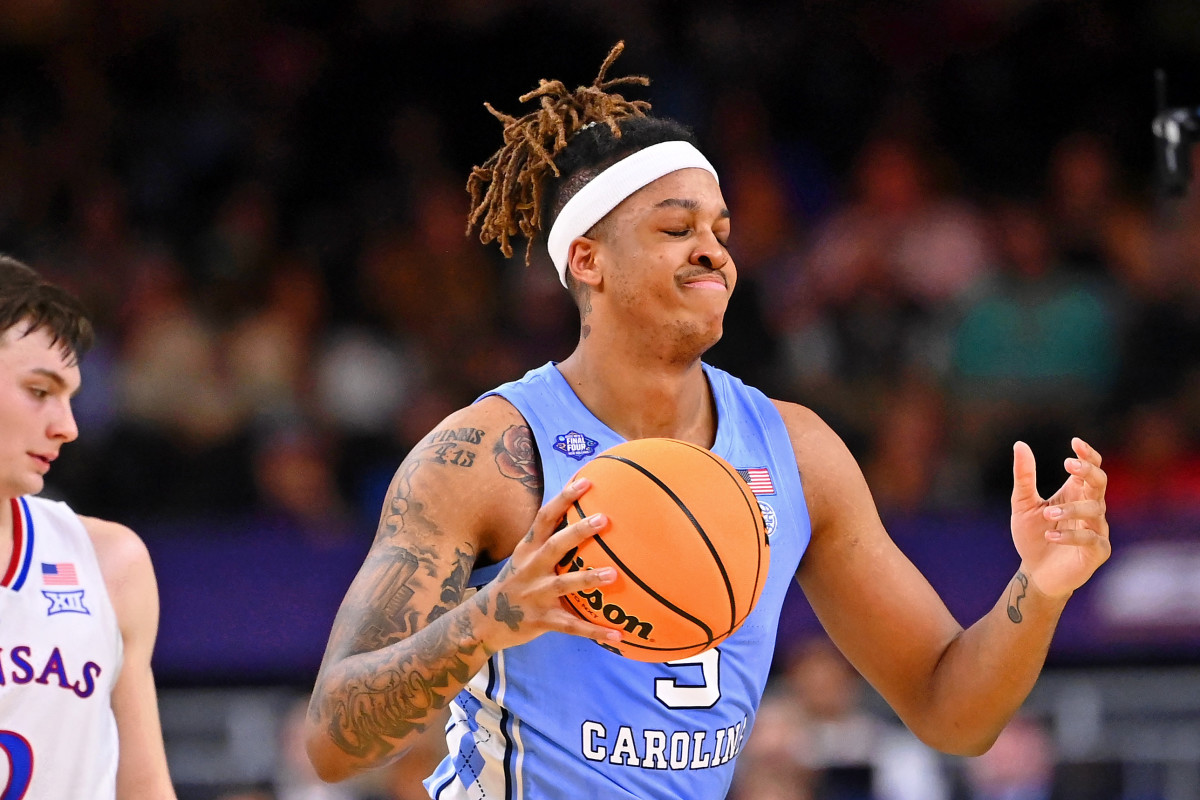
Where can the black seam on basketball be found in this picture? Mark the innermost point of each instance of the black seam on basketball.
(662, 600)
(716, 557)
(755, 514)
(650, 591)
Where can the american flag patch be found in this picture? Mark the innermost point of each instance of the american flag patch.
(59, 575)
(759, 479)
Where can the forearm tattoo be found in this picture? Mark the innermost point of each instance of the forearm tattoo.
(388, 695)
(368, 696)
(1016, 593)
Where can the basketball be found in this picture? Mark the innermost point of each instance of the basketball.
(687, 539)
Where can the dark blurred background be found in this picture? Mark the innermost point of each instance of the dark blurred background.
(946, 224)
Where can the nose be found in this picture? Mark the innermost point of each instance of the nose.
(63, 426)
(709, 251)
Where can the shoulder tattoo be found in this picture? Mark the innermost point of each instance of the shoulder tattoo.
(517, 458)
(452, 446)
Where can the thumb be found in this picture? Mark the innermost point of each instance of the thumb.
(1024, 478)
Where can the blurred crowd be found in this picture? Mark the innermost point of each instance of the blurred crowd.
(945, 224)
(818, 736)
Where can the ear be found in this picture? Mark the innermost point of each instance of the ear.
(583, 260)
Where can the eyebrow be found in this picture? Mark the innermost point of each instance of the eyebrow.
(687, 204)
(55, 377)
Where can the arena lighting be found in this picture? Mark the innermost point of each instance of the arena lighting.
(1175, 130)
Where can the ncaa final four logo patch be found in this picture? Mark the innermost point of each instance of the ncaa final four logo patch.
(575, 445)
(65, 602)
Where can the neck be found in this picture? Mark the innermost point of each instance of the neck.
(640, 395)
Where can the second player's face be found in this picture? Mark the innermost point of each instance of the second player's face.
(37, 381)
(669, 260)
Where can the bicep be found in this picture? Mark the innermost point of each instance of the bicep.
(444, 506)
(875, 605)
(416, 570)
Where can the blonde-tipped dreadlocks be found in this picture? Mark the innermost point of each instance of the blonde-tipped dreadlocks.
(506, 192)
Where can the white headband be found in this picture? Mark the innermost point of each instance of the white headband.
(605, 192)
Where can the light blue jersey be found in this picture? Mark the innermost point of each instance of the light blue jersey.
(561, 716)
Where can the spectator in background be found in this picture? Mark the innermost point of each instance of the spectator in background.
(268, 352)
(913, 462)
(1020, 765)
(1083, 201)
(866, 301)
(183, 438)
(771, 765)
(820, 735)
(296, 485)
(1035, 350)
(1024, 764)
(1155, 464)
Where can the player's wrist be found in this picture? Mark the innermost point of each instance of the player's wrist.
(484, 629)
(1041, 588)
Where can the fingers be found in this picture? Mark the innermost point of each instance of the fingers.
(1088, 512)
(550, 515)
(1085, 451)
(567, 622)
(1024, 477)
(1087, 468)
(1078, 537)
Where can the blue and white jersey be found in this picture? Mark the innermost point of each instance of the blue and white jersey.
(561, 716)
(60, 654)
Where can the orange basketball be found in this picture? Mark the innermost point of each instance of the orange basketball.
(688, 541)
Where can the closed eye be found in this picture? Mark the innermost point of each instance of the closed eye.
(684, 232)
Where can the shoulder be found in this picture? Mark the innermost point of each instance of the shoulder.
(811, 436)
(831, 475)
(489, 430)
(476, 472)
(124, 563)
(119, 550)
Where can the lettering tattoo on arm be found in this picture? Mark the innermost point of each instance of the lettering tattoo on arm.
(452, 446)
(516, 456)
(1014, 599)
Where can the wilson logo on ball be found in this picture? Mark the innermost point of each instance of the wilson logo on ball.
(610, 611)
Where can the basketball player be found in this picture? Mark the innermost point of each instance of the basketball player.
(635, 223)
(78, 600)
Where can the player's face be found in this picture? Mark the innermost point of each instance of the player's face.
(37, 381)
(668, 261)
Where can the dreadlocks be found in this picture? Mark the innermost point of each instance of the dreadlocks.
(568, 134)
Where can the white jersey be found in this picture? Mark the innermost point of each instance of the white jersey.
(60, 654)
